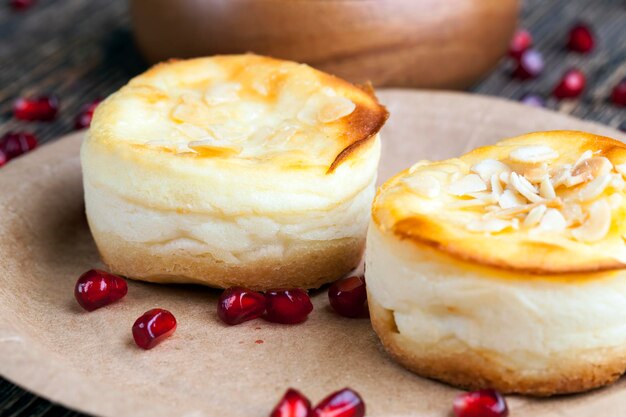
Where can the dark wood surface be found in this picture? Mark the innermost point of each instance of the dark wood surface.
(81, 50)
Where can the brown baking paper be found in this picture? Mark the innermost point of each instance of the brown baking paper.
(88, 361)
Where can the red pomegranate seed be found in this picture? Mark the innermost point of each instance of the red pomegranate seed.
(483, 403)
(343, 403)
(287, 306)
(95, 289)
(571, 85)
(3, 158)
(618, 96)
(293, 404)
(83, 120)
(581, 38)
(21, 4)
(153, 327)
(237, 304)
(37, 108)
(14, 144)
(522, 40)
(529, 65)
(348, 297)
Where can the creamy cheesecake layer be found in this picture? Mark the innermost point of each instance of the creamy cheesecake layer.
(524, 321)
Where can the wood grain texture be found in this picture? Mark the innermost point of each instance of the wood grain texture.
(406, 43)
(80, 50)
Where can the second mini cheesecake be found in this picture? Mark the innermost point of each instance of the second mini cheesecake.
(504, 268)
(233, 170)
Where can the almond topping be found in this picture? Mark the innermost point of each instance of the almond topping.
(534, 215)
(533, 154)
(510, 199)
(335, 108)
(594, 188)
(546, 190)
(487, 168)
(552, 221)
(592, 167)
(525, 188)
(470, 183)
(597, 225)
(222, 93)
(496, 187)
(424, 185)
(621, 168)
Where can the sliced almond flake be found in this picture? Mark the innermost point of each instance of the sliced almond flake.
(552, 221)
(183, 148)
(504, 177)
(585, 155)
(470, 183)
(335, 108)
(488, 226)
(515, 223)
(535, 215)
(573, 214)
(535, 173)
(597, 225)
(221, 93)
(510, 199)
(594, 188)
(192, 132)
(496, 187)
(487, 168)
(533, 154)
(560, 175)
(546, 190)
(591, 168)
(425, 185)
(514, 211)
(485, 196)
(525, 188)
(617, 181)
(621, 168)
(574, 181)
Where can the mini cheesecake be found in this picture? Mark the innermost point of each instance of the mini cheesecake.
(233, 170)
(504, 268)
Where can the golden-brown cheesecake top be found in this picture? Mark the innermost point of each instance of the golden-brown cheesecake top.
(242, 107)
(545, 203)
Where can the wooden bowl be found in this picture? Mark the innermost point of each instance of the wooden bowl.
(417, 43)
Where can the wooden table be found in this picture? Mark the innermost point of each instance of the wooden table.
(81, 50)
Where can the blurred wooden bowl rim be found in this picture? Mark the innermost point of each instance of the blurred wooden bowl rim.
(414, 43)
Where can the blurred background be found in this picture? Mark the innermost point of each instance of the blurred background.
(59, 57)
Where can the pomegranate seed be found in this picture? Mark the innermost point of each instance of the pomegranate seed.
(95, 289)
(343, 403)
(237, 304)
(38, 108)
(619, 93)
(153, 327)
(581, 38)
(3, 158)
(522, 40)
(533, 100)
(571, 85)
(348, 297)
(20, 4)
(483, 403)
(288, 306)
(529, 65)
(83, 120)
(293, 404)
(14, 144)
